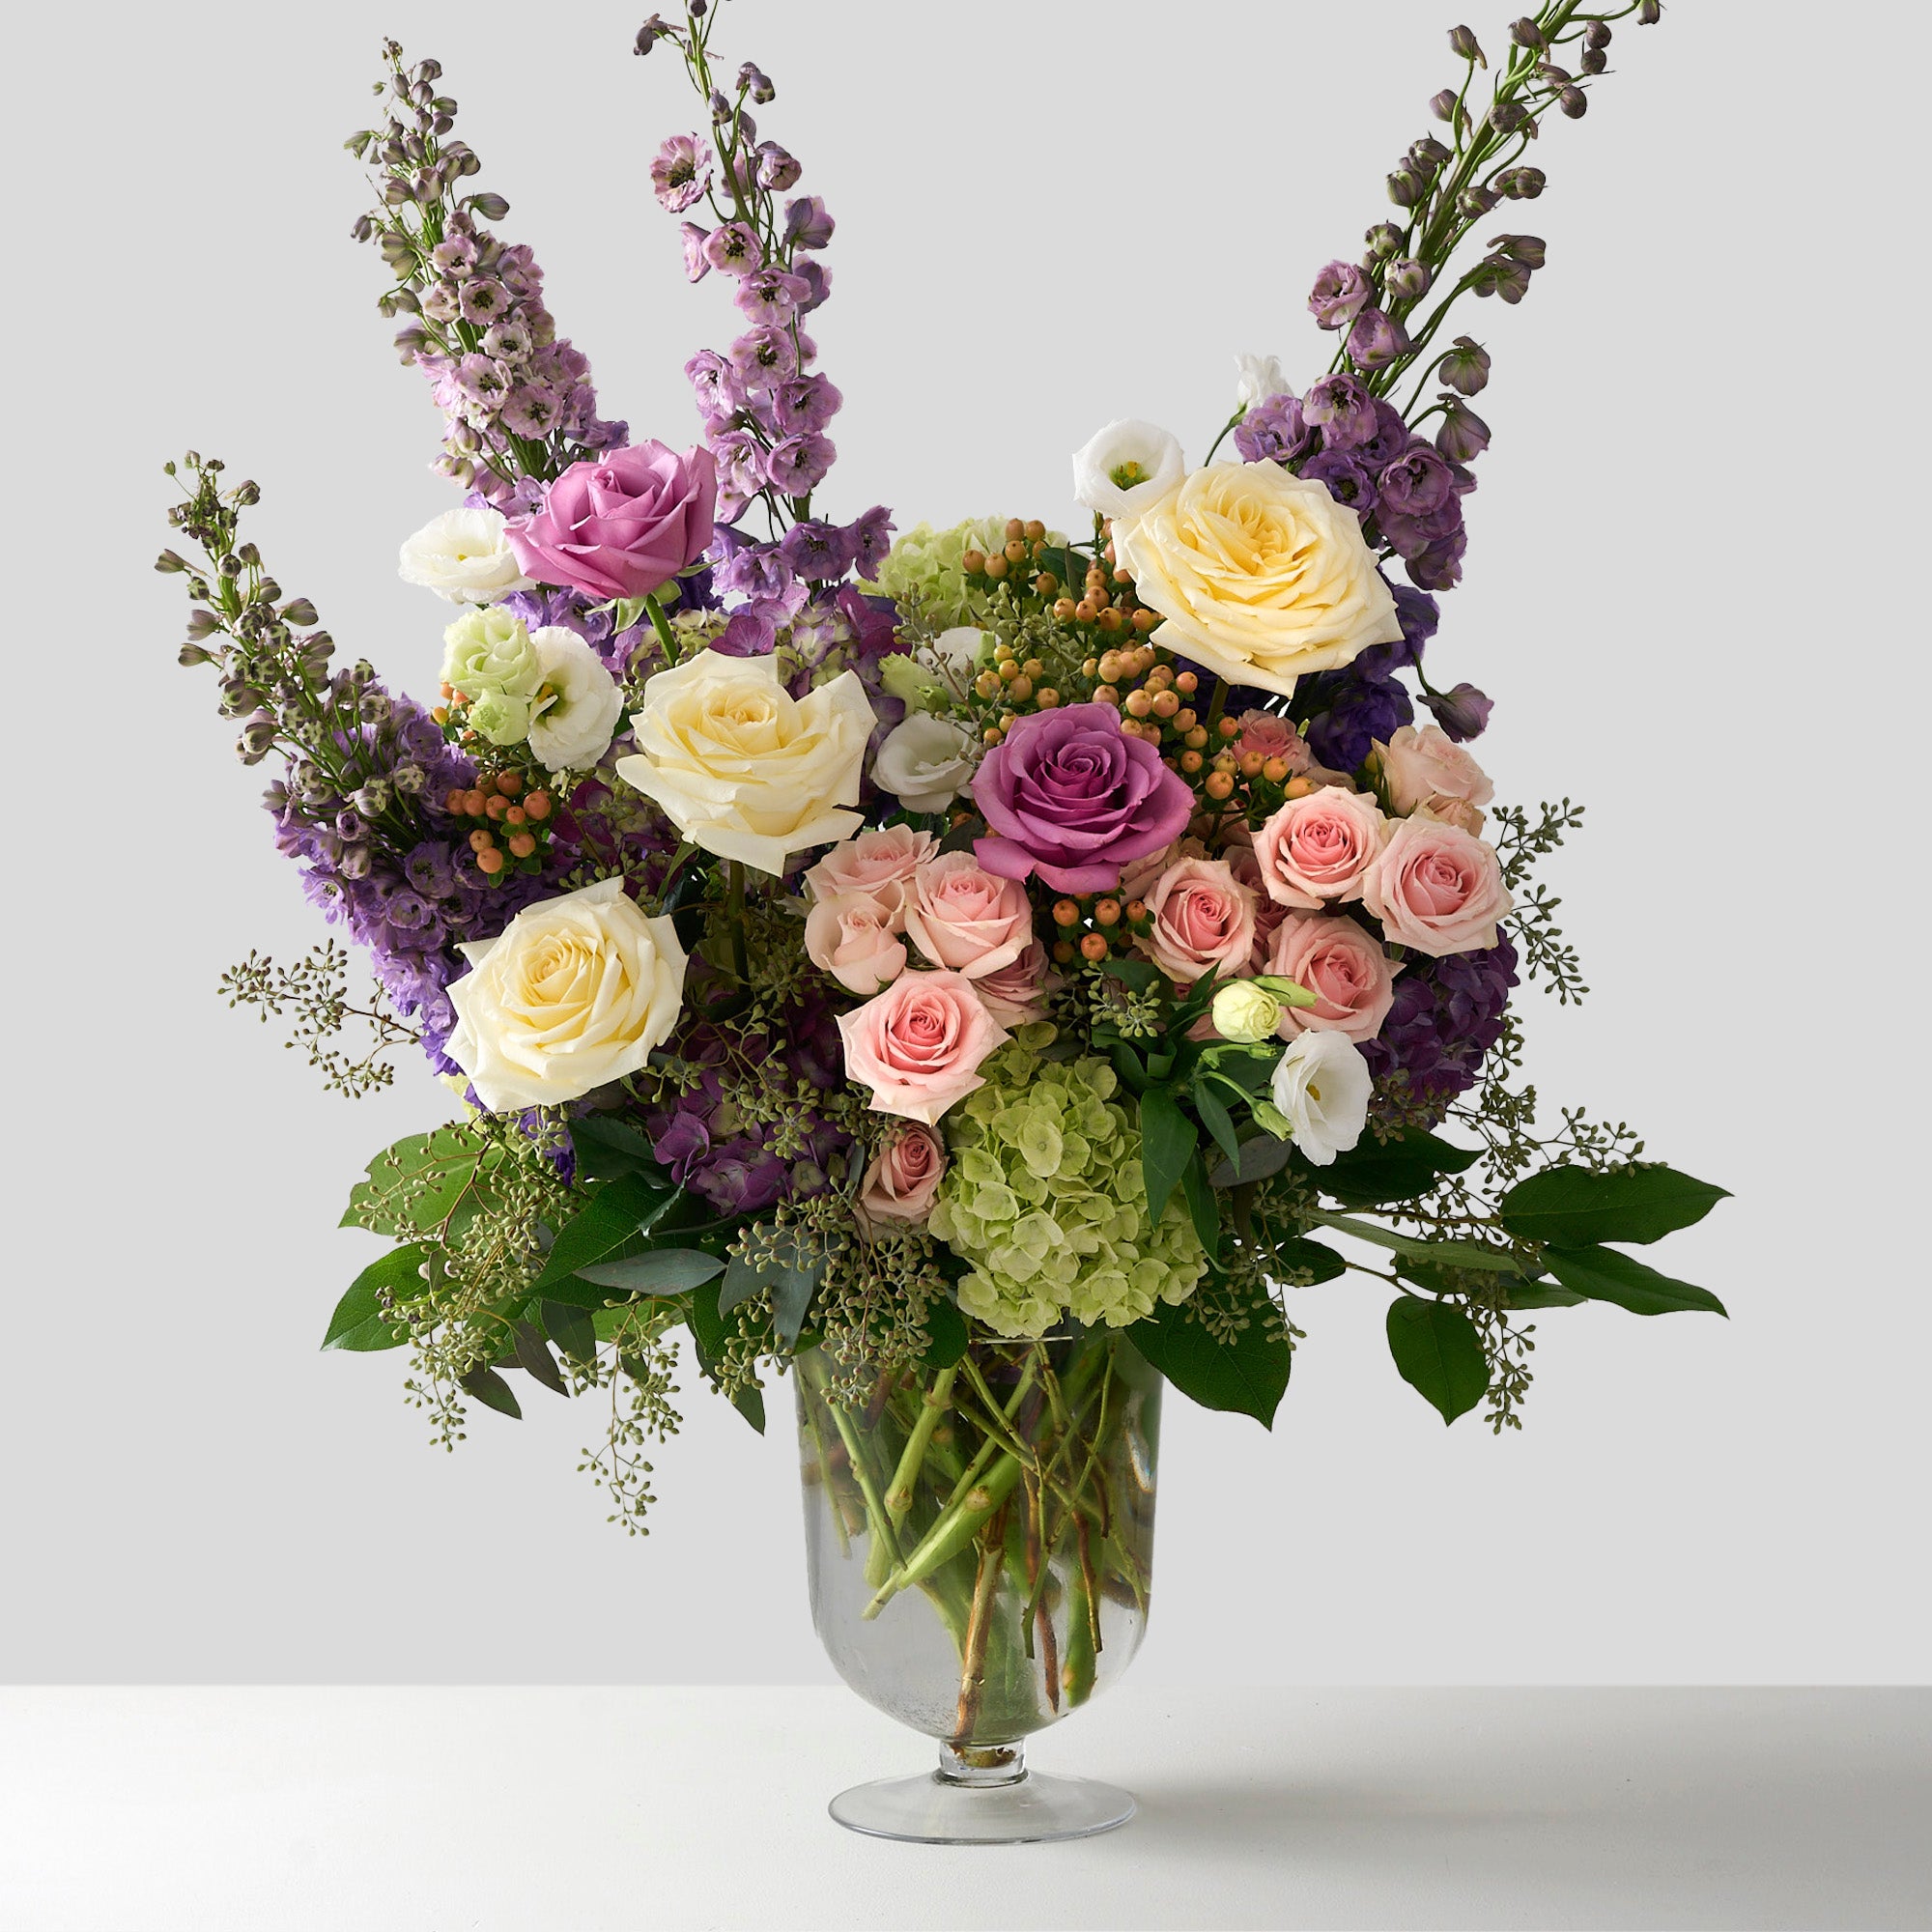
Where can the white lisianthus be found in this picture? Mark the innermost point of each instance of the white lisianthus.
(577, 705)
(465, 556)
(1257, 377)
(1127, 466)
(744, 770)
(962, 649)
(574, 993)
(1321, 1085)
(926, 763)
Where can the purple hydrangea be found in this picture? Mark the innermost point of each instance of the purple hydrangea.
(1447, 1014)
(1348, 713)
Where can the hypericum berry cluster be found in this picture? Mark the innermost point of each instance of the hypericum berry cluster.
(499, 809)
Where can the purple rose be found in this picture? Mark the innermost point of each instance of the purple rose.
(1070, 795)
(1340, 291)
(623, 526)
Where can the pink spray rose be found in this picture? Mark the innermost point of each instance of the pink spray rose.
(960, 916)
(1428, 769)
(1437, 888)
(1138, 879)
(1268, 736)
(918, 1044)
(620, 525)
(1344, 968)
(851, 936)
(902, 1182)
(1016, 994)
(1317, 848)
(1204, 921)
(877, 863)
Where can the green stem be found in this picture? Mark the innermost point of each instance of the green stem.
(661, 624)
(932, 1406)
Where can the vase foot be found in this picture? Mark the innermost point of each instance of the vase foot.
(1030, 1809)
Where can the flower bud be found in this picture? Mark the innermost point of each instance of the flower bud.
(1466, 368)
(1464, 435)
(1523, 183)
(1526, 33)
(1574, 103)
(1597, 35)
(257, 739)
(1463, 45)
(1475, 202)
(1383, 238)
(1649, 13)
(1443, 105)
(1428, 153)
(1594, 60)
(1408, 279)
(1507, 116)
(1462, 712)
(191, 655)
(1405, 187)
(1528, 250)
(491, 207)
(1245, 1012)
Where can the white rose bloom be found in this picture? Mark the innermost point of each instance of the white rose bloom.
(1257, 377)
(926, 763)
(744, 770)
(577, 705)
(465, 556)
(1321, 1084)
(1127, 466)
(574, 993)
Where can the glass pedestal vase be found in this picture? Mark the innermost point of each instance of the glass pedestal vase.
(981, 1541)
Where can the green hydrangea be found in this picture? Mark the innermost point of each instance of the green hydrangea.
(922, 576)
(1046, 1200)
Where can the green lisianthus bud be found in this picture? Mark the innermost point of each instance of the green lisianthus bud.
(908, 680)
(1289, 992)
(489, 652)
(1246, 1012)
(1271, 1120)
(500, 716)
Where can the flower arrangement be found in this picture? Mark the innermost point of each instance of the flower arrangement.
(900, 952)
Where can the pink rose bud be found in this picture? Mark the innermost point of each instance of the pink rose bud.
(1316, 850)
(880, 863)
(1346, 969)
(1437, 888)
(1426, 768)
(902, 1182)
(918, 1044)
(961, 916)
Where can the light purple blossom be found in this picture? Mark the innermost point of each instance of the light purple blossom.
(872, 538)
(817, 279)
(798, 465)
(807, 224)
(771, 295)
(681, 171)
(1377, 339)
(751, 569)
(734, 248)
(777, 169)
(763, 356)
(533, 410)
(1342, 409)
(454, 257)
(697, 263)
(741, 472)
(483, 300)
(1340, 292)
(818, 552)
(804, 403)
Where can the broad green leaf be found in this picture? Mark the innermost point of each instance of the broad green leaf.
(1451, 1254)
(1142, 975)
(1129, 1065)
(493, 1392)
(1301, 1255)
(659, 1271)
(1542, 1295)
(1437, 1354)
(1602, 1274)
(1394, 1170)
(360, 1321)
(616, 1214)
(1247, 1375)
(420, 1183)
(1259, 1159)
(534, 1358)
(708, 1331)
(572, 1330)
(1201, 1205)
(947, 1326)
(607, 1147)
(741, 1282)
(1167, 1138)
(1574, 1207)
(791, 1297)
(1215, 1117)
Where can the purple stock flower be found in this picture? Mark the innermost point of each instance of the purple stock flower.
(818, 552)
(697, 263)
(873, 621)
(806, 225)
(1273, 432)
(1340, 291)
(1417, 613)
(1068, 794)
(749, 632)
(1347, 479)
(1342, 409)
(1446, 1016)
(771, 295)
(734, 248)
(1462, 712)
(1417, 482)
(804, 405)
(681, 171)
(1377, 339)
(872, 538)
(798, 465)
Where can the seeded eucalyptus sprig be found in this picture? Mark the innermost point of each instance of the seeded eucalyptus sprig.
(1447, 186)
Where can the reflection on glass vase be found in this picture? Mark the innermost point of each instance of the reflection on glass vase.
(981, 1543)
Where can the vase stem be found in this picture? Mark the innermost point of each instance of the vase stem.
(983, 1765)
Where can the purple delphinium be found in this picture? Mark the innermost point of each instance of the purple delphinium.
(1343, 410)
(1274, 431)
(1339, 294)
(1463, 711)
(1349, 481)
(1447, 1014)
(1418, 614)
(1348, 714)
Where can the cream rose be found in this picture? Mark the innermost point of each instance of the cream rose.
(575, 992)
(740, 767)
(1261, 575)
(577, 705)
(464, 555)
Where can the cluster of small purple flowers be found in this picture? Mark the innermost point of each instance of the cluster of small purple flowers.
(1446, 1017)
(499, 372)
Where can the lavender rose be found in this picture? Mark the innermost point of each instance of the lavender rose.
(1070, 795)
(622, 525)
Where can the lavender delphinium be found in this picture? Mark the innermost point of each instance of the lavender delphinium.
(1446, 1017)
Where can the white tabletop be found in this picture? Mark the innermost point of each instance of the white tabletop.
(580, 1810)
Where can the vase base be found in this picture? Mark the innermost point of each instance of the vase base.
(1027, 1811)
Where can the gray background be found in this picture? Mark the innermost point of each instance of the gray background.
(1692, 587)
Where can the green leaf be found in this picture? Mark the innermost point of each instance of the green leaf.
(948, 1329)
(492, 1391)
(1395, 1169)
(1129, 1065)
(1167, 1138)
(708, 1331)
(1247, 1375)
(1602, 1274)
(1259, 1159)
(1540, 1295)
(534, 1358)
(360, 1323)
(741, 1283)
(1301, 1254)
(1437, 1354)
(659, 1271)
(1574, 1207)
(1201, 1207)
(420, 1183)
(1215, 1117)
(571, 1328)
(791, 1297)
(1142, 975)
(617, 1213)
(1450, 1254)
(606, 1146)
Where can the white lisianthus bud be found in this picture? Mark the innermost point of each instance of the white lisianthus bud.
(1257, 377)
(1127, 466)
(1321, 1084)
(465, 556)
(1245, 1012)
(926, 763)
